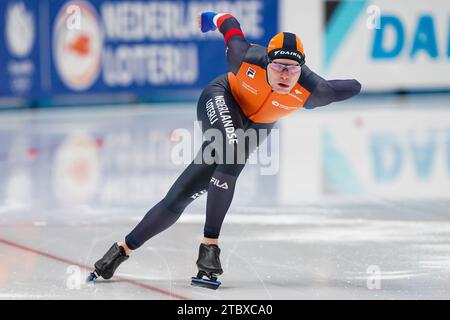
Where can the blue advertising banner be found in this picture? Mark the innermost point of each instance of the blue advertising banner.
(57, 47)
(145, 45)
(19, 48)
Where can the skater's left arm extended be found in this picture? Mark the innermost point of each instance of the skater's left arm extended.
(230, 28)
(327, 91)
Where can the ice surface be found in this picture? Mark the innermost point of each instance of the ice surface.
(346, 248)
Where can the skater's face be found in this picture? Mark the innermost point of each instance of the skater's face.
(283, 74)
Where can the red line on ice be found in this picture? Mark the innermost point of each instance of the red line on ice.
(69, 262)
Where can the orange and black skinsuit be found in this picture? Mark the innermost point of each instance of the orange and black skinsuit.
(236, 104)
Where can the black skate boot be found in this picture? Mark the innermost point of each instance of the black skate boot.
(208, 264)
(106, 266)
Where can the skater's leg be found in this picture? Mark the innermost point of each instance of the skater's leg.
(220, 194)
(189, 186)
(192, 183)
(221, 188)
(155, 221)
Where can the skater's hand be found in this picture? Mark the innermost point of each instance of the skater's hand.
(205, 21)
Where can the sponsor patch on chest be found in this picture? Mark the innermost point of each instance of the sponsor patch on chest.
(251, 72)
(282, 106)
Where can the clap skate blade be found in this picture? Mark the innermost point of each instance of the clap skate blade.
(210, 282)
(92, 277)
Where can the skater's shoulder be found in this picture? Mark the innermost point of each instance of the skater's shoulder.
(256, 55)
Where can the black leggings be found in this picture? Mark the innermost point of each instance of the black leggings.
(229, 139)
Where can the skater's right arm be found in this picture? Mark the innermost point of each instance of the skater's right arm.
(237, 45)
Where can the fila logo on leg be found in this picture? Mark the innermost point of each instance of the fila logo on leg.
(217, 183)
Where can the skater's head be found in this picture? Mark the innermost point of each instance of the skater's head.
(286, 57)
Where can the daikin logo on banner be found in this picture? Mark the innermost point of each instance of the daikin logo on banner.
(407, 32)
(77, 46)
(393, 40)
